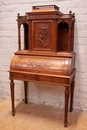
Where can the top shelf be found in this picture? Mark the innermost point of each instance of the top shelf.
(45, 8)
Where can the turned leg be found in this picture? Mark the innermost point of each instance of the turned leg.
(25, 91)
(66, 106)
(12, 96)
(71, 96)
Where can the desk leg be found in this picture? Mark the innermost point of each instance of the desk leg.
(71, 96)
(25, 90)
(66, 106)
(12, 96)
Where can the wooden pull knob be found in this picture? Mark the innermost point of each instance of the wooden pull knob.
(36, 72)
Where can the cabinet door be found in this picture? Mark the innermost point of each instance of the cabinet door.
(43, 35)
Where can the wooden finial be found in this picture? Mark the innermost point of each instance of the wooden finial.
(74, 15)
(18, 15)
(26, 16)
(70, 12)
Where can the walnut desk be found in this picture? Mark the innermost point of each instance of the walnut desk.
(47, 52)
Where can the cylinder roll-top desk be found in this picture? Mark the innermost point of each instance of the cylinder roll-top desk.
(45, 51)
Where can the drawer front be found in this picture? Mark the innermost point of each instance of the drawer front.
(39, 78)
(22, 76)
(50, 79)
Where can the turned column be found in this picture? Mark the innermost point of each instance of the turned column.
(66, 106)
(69, 39)
(12, 96)
(19, 36)
(25, 91)
(71, 95)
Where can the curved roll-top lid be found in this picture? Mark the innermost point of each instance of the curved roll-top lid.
(45, 65)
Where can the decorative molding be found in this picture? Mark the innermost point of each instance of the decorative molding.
(42, 16)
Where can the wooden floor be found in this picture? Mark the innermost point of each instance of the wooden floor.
(38, 117)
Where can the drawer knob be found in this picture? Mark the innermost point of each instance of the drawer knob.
(36, 72)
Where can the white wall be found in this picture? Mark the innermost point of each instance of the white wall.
(43, 93)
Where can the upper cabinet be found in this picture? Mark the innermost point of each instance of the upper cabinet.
(46, 30)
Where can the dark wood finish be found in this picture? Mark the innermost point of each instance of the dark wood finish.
(12, 96)
(66, 105)
(71, 96)
(48, 54)
(25, 89)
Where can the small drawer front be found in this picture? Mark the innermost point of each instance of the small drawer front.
(54, 80)
(16, 75)
(60, 80)
(23, 76)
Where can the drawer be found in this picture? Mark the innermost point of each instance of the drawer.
(22, 76)
(40, 78)
(52, 79)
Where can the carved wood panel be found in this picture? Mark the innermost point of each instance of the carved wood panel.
(50, 65)
(42, 34)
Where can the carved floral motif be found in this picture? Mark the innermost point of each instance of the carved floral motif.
(36, 64)
(42, 37)
(44, 63)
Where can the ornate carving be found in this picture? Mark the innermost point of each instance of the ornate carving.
(42, 36)
(42, 16)
(45, 63)
(36, 64)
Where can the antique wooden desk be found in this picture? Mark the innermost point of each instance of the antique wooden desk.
(46, 54)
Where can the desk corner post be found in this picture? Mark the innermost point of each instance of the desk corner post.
(25, 90)
(12, 96)
(66, 105)
(71, 95)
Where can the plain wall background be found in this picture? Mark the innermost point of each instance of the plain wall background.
(42, 93)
